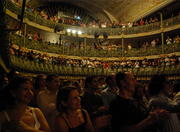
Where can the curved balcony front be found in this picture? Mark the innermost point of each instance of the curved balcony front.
(127, 32)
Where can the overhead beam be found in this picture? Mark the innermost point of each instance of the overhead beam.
(110, 16)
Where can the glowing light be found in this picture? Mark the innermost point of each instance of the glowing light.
(79, 32)
(73, 31)
(68, 30)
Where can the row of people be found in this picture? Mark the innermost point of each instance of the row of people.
(77, 22)
(113, 64)
(105, 45)
(65, 108)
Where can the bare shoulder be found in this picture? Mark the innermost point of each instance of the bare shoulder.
(38, 112)
(85, 111)
(60, 121)
(60, 117)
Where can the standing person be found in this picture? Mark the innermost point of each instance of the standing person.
(91, 101)
(111, 91)
(46, 99)
(16, 115)
(159, 90)
(140, 95)
(127, 116)
(176, 91)
(176, 98)
(71, 117)
(39, 85)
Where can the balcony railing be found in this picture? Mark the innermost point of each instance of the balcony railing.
(90, 31)
(90, 51)
(37, 67)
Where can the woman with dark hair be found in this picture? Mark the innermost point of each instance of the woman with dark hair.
(71, 117)
(16, 115)
(159, 90)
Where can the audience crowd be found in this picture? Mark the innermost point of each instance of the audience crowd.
(36, 41)
(94, 104)
(114, 103)
(55, 59)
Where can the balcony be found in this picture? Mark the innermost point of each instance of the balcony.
(34, 66)
(90, 51)
(149, 29)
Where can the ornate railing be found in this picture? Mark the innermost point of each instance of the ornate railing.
(39, 67)
(172, 21)
(90, 51)
(90, 31)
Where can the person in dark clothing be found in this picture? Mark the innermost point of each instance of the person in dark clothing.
(91, 101)
(127, 115)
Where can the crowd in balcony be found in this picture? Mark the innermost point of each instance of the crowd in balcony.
(55, 59)
(94, 24)
(34, 40)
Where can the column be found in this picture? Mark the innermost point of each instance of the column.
(162, 33)
(162, 39)
(122, 45)
(85, 45)
(25, 32)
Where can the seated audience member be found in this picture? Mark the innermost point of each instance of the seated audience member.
(168, 41)
(127, 115)
(71, 117)
(177, 40)
(159, 90)
(16, 115)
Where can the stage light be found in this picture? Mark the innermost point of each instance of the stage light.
(79, 32)
(73, 31)
(68, 30)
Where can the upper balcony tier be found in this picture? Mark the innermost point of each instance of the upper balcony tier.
(126, 32)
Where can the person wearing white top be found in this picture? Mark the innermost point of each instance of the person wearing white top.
(15, 114)
(159, 90)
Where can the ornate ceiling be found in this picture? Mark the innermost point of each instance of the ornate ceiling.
(117, 10)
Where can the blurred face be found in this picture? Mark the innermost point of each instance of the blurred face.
(74, 101)
(42, 83)
(24, 93)
(94, 83)
(167, 89)
(130, 83)
(53, 84)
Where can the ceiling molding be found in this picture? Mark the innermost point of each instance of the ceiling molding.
(116, 10)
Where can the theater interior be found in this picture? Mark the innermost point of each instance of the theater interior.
(119, 59)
